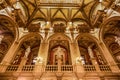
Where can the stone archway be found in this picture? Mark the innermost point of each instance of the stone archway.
(28, 48)
(8, 34)
(110, 36)
(90, 50)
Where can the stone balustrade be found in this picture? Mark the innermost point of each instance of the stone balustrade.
(28, 68)
(105, 68)
(66, 68)
(51, 68)
(89, 68)
(12, 68)
(54, 68)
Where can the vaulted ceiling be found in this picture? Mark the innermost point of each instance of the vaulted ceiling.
(40, 11)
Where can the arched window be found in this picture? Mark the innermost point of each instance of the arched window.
(89, 50)
(111, 38)
(59, 50)
(29, 49)
(7, 35)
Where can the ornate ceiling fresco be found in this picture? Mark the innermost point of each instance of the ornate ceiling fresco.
(40, 11)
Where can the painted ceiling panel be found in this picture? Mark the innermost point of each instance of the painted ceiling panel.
(53, 12)
(59, 14)
(38, 15)
(30, 6)
(44, 11)
(79, 15)
(87, 8)
(88, 1)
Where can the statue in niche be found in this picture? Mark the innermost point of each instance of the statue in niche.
(117, 39)
(27, 51)
(59, 54)
(1, 38)
(90, 51)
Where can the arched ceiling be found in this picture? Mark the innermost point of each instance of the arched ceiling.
(35, 11)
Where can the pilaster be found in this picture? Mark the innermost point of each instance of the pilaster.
(43, 51)
(74, 51)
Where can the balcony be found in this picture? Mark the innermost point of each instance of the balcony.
(53, 68)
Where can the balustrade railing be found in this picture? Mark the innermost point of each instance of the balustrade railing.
(51, 68)
(104, 68)
(28, 68)
(12, 68)
(66, 68)
(89, 68)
